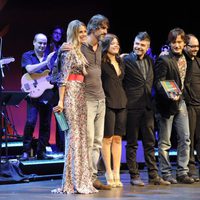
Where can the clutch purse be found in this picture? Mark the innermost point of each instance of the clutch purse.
(62, 122)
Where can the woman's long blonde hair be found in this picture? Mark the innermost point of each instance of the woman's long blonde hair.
(73, 38)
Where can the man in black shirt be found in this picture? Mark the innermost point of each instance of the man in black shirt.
(138, 82)
(192, 98)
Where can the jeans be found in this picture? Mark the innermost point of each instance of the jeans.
(45, 112)
(95, 132)
(181, 125)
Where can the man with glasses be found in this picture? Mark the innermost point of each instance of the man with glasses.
(192, 98)
(55, 40)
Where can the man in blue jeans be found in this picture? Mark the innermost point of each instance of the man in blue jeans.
(95, 98)
(172, 111)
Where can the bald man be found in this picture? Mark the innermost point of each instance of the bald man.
(36, 63)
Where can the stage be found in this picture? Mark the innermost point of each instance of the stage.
(45, 175)
(37, 190)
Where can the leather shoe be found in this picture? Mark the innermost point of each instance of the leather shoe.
(159, 181)
(194, 176)
(137, 181)
(185, 179)
(43, 156)
(24, 157)
(100, 186)
(170, 179)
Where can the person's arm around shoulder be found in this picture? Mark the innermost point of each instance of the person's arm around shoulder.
(123, 55)
(64, 47)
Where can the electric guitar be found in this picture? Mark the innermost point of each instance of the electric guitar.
(35, 84)
(4, 61)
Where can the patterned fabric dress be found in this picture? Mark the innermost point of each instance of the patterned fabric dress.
(76, 175)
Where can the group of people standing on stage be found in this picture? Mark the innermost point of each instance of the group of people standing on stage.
(105, 96)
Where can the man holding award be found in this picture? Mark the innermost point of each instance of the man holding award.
(171, 109)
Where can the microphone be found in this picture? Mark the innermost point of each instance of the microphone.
(5, 61)
(2, 73)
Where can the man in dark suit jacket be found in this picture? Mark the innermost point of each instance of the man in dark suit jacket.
(138, 83)
(172, 111)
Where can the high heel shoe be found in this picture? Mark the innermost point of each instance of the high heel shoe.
(110, 180)
(117, 181)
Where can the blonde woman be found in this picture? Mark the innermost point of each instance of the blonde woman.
(76, 174)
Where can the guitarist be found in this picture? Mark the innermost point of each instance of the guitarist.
(36, 61)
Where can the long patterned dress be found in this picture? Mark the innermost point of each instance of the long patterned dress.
(76, 175)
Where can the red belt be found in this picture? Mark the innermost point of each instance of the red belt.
(75, 77)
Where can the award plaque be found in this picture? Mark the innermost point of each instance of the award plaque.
(171, 88)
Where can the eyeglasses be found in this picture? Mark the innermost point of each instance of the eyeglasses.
(193, 46)
(58, 33)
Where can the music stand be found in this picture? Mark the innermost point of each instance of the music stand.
(8, 98)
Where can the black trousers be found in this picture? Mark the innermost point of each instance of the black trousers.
(140, 123)
(194, 124)
(44, 111)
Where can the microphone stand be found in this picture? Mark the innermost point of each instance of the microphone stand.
(2, 73)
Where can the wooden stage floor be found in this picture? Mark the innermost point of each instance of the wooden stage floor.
(41, 190)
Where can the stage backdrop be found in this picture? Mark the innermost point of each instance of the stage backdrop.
(20, 20)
